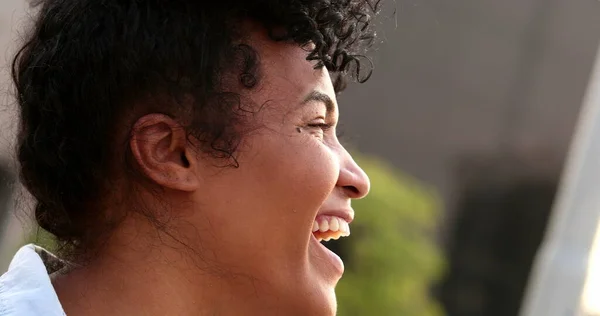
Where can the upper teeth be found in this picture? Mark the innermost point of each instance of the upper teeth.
(330, 227)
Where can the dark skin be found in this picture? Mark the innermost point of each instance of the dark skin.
(250, 228)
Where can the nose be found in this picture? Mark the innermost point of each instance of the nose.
(352, 179)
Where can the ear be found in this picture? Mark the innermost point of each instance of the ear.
(160, 147)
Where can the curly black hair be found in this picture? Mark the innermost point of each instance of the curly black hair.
(85, 64)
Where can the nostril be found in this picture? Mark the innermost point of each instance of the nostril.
(352, 190)
(184, 160)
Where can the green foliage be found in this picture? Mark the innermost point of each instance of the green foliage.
(391, 258)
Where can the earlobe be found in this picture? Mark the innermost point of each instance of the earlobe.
(160, 148)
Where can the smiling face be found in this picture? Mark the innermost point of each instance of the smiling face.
(294, 177)
(259, 225)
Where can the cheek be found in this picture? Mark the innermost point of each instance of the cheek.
(311, 169)
(291, 177)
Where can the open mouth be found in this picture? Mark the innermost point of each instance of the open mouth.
(327, 227)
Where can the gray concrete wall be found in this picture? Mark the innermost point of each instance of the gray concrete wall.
(470, 77)
(12, 13)
(11, 16)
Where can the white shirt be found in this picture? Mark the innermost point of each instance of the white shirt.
(25, 289)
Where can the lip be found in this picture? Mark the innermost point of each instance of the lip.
(345, 214)
(334, 260)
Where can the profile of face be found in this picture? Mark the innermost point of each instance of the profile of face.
(261, 224)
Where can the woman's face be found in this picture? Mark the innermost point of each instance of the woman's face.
(293, 177)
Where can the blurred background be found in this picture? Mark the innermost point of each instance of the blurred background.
(464, 129)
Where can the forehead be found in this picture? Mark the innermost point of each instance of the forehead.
(285, 74)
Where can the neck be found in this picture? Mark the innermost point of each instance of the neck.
(153, 278)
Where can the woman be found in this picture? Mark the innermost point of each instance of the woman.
(184, 155)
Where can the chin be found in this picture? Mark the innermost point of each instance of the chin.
(322, 302)
(319, 297)
(331, 305)
(308, 292)
(322, 272)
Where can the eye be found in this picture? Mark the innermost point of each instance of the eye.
(318, 128)
(321, 125)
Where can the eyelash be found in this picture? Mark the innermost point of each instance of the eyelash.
(323, 126)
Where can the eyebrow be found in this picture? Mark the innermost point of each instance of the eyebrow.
(321, 97)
